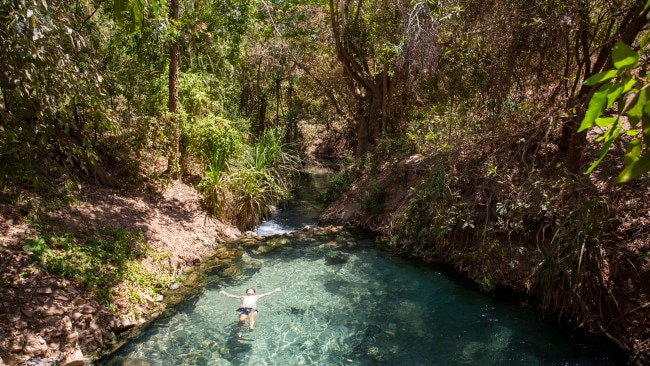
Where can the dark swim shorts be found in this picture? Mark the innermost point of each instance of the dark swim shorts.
(246, 311)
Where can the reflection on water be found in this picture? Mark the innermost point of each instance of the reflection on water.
(366, 308)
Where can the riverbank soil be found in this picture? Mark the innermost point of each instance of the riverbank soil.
(539, 256)
(51, 320)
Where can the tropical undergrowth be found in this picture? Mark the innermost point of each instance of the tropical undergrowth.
(568, 243)
(242, 182)
(102, 262)
(546, 234)
(242, 174)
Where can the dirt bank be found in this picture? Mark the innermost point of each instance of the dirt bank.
(46, 319)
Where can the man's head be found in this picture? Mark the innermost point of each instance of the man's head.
(250, 291)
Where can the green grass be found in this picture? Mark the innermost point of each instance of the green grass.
(101, 261)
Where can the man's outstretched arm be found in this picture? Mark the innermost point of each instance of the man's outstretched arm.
(269, 293)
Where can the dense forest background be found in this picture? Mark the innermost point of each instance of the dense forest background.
(509, 103)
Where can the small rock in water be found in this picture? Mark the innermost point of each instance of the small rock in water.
(174, 286)
(337, 258)
(278, 241)
(263, 249)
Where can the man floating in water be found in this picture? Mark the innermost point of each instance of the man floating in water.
(248, 308)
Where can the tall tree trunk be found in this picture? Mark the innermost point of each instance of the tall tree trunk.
(372, 91)
(290, 135)
(172, 103)
(261, 116)
(370, 122)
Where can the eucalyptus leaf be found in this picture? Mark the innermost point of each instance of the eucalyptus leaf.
(596, 106)
(624, 56)
(601, 77)
(635, 169)
(606, 121)
(614, 92)
(633, 152)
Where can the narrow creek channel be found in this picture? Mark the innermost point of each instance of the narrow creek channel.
(352, 304)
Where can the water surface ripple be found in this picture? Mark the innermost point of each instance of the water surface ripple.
(356, 306)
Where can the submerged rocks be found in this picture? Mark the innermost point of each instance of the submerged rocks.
(246, 255)
(328, 237)
(337, 258)
(249, 262)
(263, 249)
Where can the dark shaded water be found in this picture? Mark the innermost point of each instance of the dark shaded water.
(351, 305)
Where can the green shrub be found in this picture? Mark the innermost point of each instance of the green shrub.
(242, 187)
(253, 193)
(213, 140)
(337, 185)
(434, 215)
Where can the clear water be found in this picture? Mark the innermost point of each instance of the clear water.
(351, 305)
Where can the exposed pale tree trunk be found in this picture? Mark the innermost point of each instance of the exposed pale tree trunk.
(172, 103)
